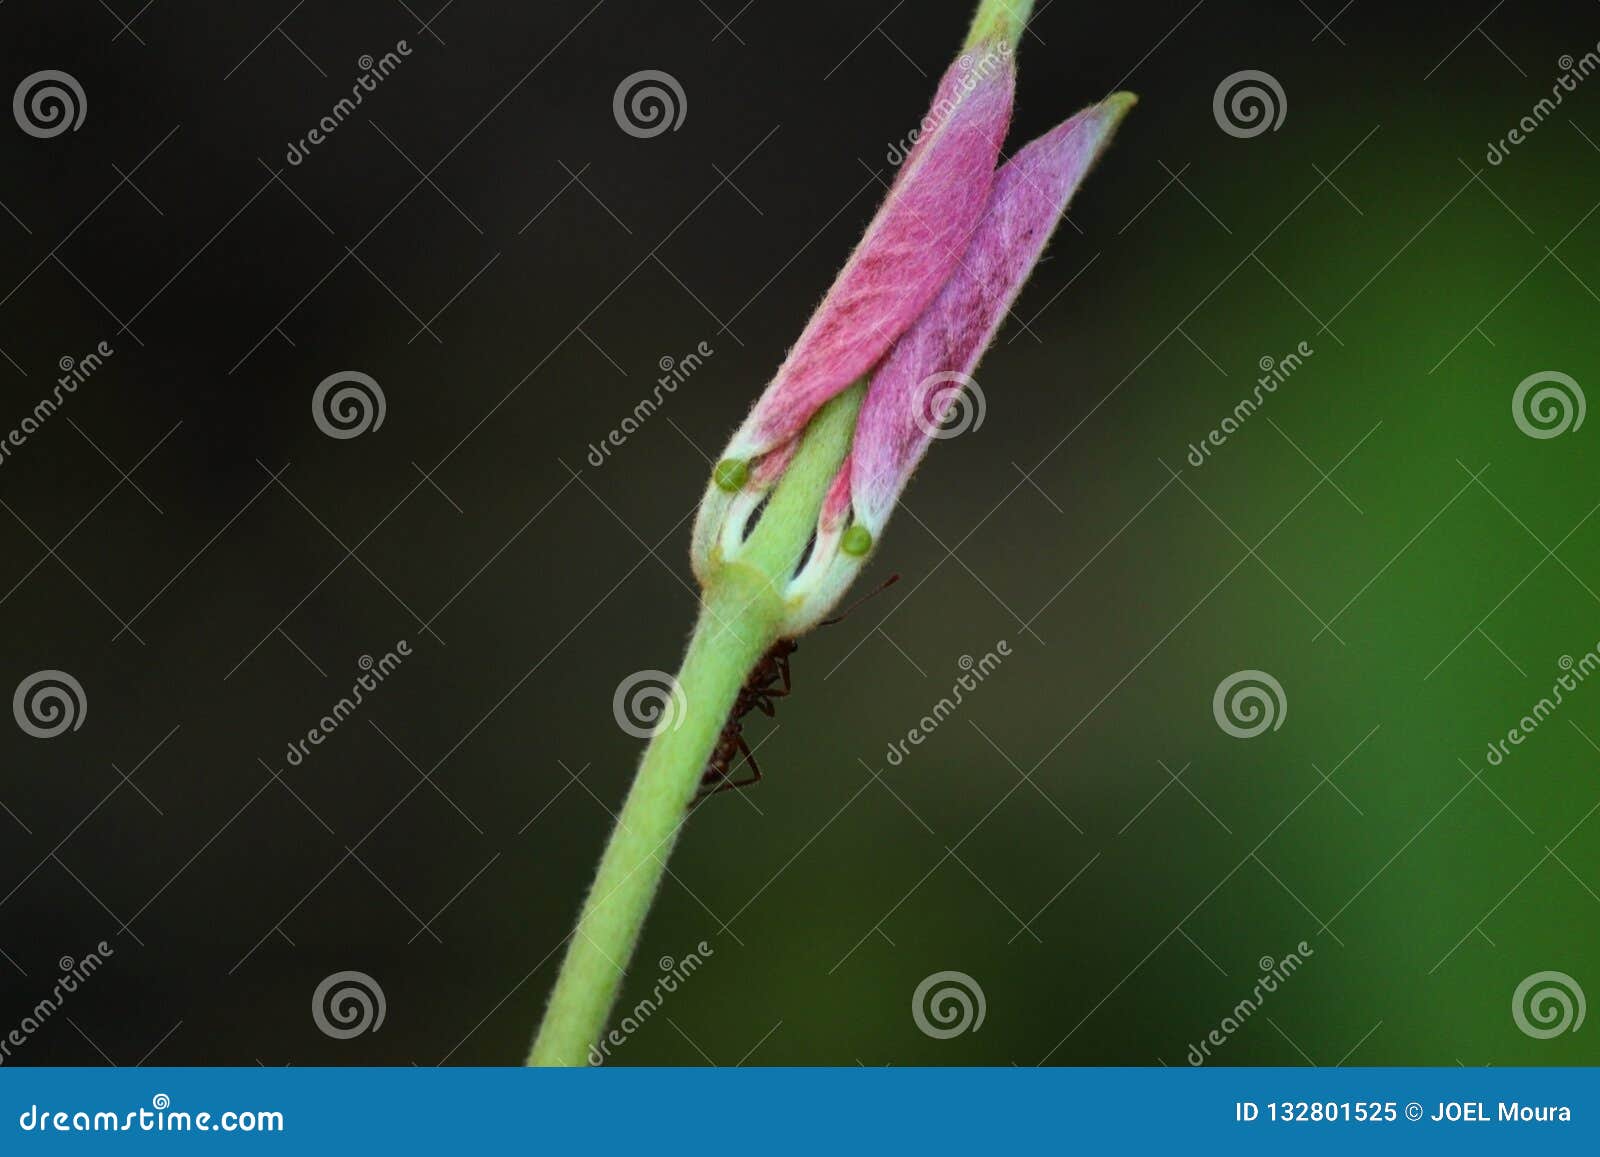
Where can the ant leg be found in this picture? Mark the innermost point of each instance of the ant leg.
(718, 776)
(713, 781)
(749, 758)
(762, 699)
(848, 611)
(715, 772)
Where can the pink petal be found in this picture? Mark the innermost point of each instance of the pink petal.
(919, 381)
(836, 502)
(907, 254)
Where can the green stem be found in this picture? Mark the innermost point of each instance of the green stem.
(737, 624)
(739, 621)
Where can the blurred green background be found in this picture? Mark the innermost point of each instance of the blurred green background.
(1082, 839)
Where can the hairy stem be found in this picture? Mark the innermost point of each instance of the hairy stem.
(739, 618)
(737, 624)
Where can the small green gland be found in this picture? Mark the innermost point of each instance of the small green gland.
(731, 474)
(857, 541)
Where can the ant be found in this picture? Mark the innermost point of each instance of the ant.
(759, 692)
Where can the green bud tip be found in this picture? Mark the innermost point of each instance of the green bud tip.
(857, 541)
(731, 474)
(999, 21)
(1118, 103)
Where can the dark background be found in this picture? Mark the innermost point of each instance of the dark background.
(511, 267)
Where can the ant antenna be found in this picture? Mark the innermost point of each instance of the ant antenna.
(853, 607)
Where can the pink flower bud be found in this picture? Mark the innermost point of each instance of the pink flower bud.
(912, 313)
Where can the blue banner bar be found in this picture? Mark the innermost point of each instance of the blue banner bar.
(763, 1111)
